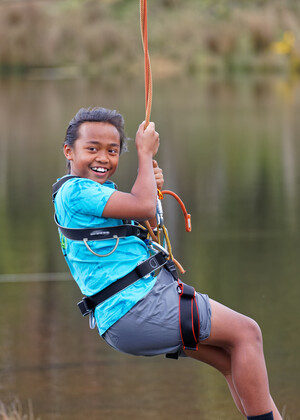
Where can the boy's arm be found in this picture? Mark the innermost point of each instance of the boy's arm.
(140, 203)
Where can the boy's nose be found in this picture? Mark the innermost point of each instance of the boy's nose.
(102, 157)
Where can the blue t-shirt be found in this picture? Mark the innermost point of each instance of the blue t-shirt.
(79, 203)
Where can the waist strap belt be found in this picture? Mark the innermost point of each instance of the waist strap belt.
(96, 234)
(88, 304)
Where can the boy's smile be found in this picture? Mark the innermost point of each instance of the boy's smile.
(95, 153)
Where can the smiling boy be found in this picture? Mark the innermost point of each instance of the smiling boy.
(143, 318)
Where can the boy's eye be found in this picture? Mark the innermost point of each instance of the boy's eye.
(113, 151)
(92, 149)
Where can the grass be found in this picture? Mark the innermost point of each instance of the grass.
(103, 38)
(14, 411)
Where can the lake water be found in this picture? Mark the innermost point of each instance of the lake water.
(231, 150)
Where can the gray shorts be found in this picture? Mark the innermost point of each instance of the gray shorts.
(151, 327)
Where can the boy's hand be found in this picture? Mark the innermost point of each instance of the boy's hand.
(158, 174)
(147, 140)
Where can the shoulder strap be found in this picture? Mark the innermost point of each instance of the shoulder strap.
(56, 186)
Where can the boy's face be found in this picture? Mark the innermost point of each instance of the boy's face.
(95, 153)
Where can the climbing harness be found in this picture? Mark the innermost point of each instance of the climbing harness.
(188, 312)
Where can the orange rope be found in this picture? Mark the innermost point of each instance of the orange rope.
(148, 73)
(148, 105)
(187, 217)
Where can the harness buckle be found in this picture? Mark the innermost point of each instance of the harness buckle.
(185, 290)
(170, 266)
(83, 306)
(143, 270)
(194, 348)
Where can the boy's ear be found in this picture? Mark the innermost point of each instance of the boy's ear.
(68, 152)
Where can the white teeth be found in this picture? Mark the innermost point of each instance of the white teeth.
(103, 170)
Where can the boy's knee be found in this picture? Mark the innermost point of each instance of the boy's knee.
(251, 332)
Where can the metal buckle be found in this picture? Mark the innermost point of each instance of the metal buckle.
(84, 309)
(179, 287)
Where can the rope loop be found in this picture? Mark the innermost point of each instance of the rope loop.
(187, 216)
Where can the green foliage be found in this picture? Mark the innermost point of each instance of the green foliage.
(191, 36)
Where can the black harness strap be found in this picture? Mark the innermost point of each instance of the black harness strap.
(56, 186)
(189, 321)
(88, 304)
(96, 234)
(188, 316)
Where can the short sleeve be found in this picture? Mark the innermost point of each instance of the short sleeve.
(85, 196)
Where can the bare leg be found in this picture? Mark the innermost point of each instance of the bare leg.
(241, 359)
(220, 360)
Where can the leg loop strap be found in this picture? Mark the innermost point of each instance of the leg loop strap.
(189, 321)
